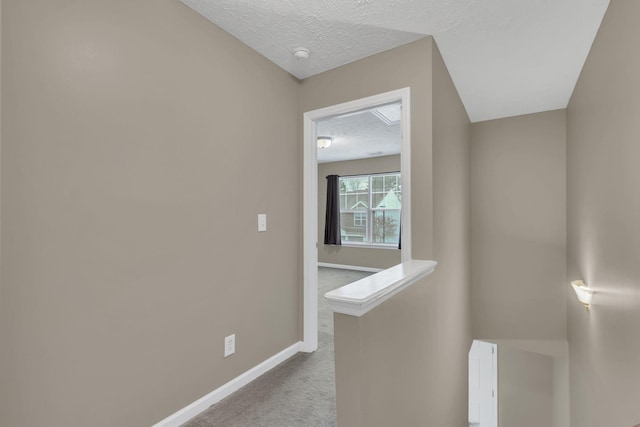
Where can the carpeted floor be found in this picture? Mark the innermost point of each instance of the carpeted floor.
(298, 392)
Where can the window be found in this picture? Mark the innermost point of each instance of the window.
(360, 219)
(370, 208)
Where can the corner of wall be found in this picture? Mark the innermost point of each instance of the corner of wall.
(451, 235)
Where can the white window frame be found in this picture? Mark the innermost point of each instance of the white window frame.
(369, 213)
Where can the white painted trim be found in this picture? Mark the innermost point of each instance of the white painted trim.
(310, 197)
(360, 297)
(391, 247)
(310, 237)
(405, 177)
(350, 267)
(483, 367)
(188, 412)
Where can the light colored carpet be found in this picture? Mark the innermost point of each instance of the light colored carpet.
(300, 391)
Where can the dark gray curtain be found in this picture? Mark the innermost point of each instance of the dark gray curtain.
(332, 217)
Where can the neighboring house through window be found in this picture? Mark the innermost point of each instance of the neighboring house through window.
(360, 219)
(370, 208)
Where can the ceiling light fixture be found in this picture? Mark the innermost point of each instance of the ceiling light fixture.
(324, 141)
(583, 292)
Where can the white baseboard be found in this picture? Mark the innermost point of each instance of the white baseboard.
(350, 267)
(200, 405)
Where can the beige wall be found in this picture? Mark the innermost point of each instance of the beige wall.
(369, 396)
(558, 351)
(405, 66)
(525, 388)
(349, 255)
(561, 392)
(451, 157)
(518, 227)
(131, 180)
(603, 233)
(1, 341)
(426, 382)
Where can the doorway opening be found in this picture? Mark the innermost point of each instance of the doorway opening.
(312, 119)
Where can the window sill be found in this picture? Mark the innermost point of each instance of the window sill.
(368, 246)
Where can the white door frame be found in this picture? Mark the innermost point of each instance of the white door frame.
(483, 374)
(310, 197)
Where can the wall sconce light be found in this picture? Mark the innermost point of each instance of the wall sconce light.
(324, 141)
(583, 292)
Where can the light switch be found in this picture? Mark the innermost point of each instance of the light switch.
(229, 345)
(262, 222)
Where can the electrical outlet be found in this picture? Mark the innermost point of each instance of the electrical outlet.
(229, 345)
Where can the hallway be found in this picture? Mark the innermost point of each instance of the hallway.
(298, 392)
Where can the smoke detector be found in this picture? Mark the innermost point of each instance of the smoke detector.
(301, 53)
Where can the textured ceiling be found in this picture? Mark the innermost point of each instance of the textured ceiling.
(357, 136)
(506, 57)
